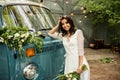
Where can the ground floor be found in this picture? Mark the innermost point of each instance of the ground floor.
(101, 70)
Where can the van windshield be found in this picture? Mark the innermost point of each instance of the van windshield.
(34, 17)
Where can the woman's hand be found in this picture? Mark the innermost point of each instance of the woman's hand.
(79, 70)
(58, 22)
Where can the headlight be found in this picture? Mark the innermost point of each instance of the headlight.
(29, 71)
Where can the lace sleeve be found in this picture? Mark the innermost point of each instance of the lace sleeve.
(80, 40)
(56, 35)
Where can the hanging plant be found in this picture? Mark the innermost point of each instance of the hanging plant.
(101, 11)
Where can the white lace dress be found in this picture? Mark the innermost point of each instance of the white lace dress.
(74, 48)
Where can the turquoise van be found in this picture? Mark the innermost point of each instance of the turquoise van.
(45, 65)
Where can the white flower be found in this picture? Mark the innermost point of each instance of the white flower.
(22, 40)
(10, 36)
(69, 79)
(38, 33)
(26, 35)
(74, 79)
(66, 75)
(20, 45)
(1, 39)
(70, 75)
(16, 35)
(23, 35)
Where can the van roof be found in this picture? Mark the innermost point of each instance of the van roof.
(9, 3)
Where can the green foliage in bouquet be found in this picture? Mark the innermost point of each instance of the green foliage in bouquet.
(70, 76)
(84, 67)
(73, 75)
(17, 37)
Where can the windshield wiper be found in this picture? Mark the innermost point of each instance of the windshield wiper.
(45, 29)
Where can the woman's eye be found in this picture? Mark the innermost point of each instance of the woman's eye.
(66, 22)
(62, 23)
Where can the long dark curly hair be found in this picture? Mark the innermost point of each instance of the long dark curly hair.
(72, 28)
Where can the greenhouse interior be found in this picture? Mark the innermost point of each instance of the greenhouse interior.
(29, 51)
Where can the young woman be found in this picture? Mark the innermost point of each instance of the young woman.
(73, 42)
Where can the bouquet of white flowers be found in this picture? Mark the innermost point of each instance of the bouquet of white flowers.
(73, 75)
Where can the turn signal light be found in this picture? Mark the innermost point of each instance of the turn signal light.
(30, 52)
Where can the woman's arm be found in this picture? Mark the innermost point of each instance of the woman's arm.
(80, 40)
(79, 69)
(53, 30)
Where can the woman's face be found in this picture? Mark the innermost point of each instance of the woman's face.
(65, 25)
